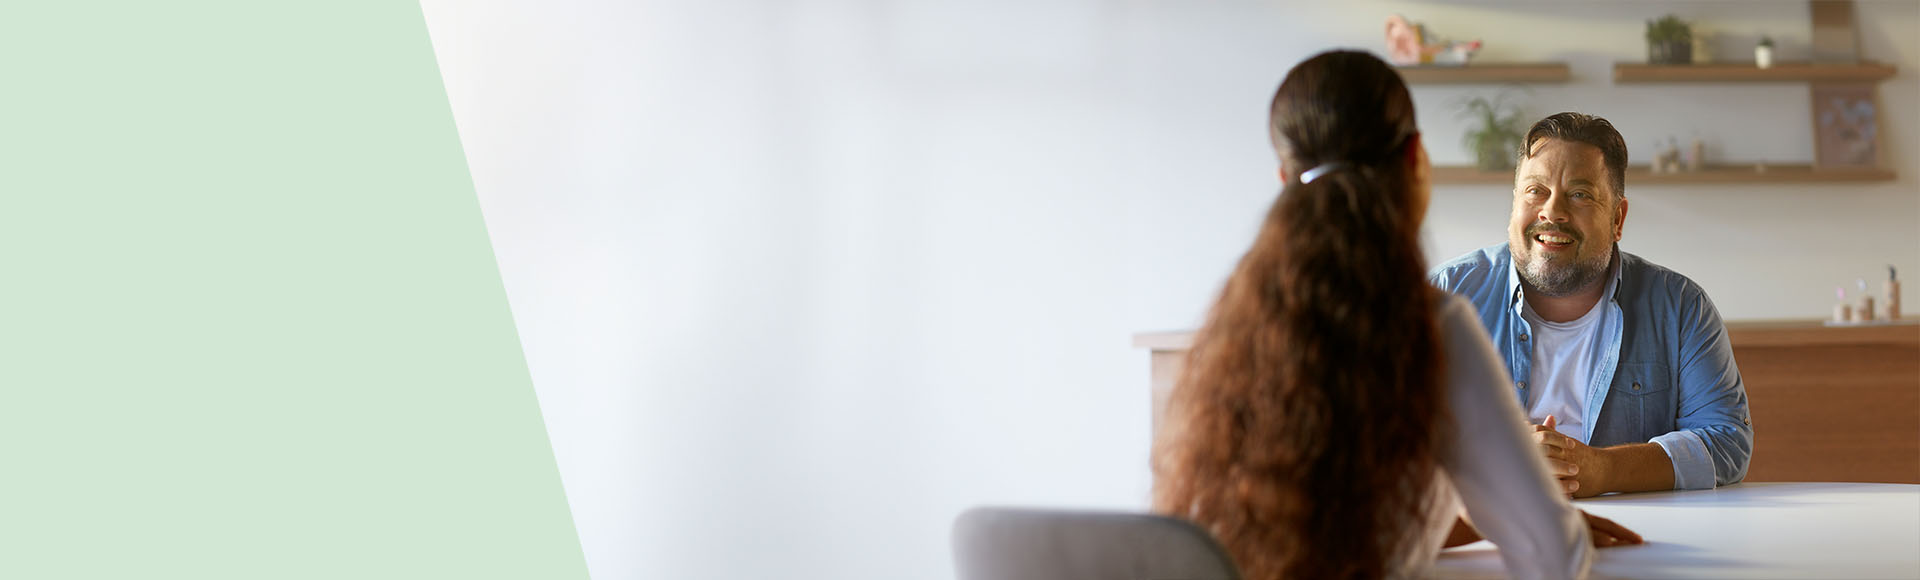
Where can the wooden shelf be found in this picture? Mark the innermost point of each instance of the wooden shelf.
(1748, 174)
(1712, 175)
(1458, 175)
(1786, 72)
(1489, 73)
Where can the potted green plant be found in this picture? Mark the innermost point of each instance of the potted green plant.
(1494, 136)
(1669, 41)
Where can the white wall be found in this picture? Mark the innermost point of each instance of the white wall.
(798, 282)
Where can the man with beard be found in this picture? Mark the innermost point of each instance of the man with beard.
(1623, 365)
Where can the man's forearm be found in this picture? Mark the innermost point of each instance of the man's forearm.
(1637, 467)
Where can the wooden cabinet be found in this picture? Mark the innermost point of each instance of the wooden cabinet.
(1831, 403)
(1828, 403)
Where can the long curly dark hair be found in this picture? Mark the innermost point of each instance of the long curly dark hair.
(1303, 432)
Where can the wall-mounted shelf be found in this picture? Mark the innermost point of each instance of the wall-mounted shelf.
(1461, 175)
(1490, 73)
(1786, 72)
(1713, 175)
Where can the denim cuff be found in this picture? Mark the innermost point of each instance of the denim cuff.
(1692, 466)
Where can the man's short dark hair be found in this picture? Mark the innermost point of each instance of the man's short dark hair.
(1588, 129)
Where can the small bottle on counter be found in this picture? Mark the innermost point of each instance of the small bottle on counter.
(1893, 293)
(1842, 312)
(1864, 311)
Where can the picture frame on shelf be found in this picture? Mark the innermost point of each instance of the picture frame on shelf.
(1846, 126)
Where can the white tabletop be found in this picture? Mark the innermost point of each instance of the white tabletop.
(1749, 530)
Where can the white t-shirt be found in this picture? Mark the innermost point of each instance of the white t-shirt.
(1490, 464)
(1563, 355)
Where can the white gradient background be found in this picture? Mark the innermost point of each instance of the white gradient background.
(800, 281)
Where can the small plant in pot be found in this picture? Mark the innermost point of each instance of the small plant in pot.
(1495, 132)
(1669, 41)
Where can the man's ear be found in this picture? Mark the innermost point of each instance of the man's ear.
(1620, 220)
(1413, 149)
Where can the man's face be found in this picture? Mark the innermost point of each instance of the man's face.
(1566, 218)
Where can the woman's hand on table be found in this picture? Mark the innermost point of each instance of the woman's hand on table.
(1607, 534)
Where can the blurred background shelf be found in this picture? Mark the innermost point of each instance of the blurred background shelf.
(1712, 175)
(1508, 72)
(1785, 72)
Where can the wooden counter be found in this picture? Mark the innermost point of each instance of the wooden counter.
(1835, 403)
(1831, 403)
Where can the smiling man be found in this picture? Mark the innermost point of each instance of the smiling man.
(1623, 365)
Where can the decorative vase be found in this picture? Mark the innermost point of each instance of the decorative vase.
(1493, 156)
(1670, 52)
(1763, 56)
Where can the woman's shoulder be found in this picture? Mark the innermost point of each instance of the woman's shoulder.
(1451, 308)
(1463, 338)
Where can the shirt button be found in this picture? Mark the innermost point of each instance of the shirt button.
(1523, 337)
(1636, 386)
(1523, 384)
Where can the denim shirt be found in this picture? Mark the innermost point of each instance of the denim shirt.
(1665, 374)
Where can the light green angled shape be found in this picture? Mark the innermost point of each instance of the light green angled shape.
(250, 322)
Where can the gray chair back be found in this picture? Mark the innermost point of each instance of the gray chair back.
(1027, 544)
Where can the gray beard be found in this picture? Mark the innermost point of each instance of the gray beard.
(1568, 280)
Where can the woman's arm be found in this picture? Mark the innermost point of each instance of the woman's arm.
(1496, 467)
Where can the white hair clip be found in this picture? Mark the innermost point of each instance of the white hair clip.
(1311, 174)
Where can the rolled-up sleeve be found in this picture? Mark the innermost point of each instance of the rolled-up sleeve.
(1692, 466)
(1715, 436)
